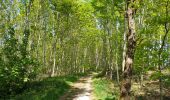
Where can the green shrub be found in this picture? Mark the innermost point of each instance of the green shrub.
(16, 69)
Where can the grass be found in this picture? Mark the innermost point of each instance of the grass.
(47, 89)
(104, 89)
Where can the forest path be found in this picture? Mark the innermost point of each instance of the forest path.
(81, 90)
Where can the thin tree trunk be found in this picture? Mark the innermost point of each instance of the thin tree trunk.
(54, 59)
(104, 61)
(97, 58)
(38, 43)
(116, 56)
(117, 68)
(44, 48)
(104, 53)
(124, 52)
(54, 47)
(84, 61)
(124, 39)
(161, 50)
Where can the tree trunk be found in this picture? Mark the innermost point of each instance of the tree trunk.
(131, 43)
(97, 58)
(116, 55)
(54, 46)
(124, 39)
(161, 50)
(117, 68)
(54, 59)
(84, 59)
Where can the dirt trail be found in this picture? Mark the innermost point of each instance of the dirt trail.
(81, 90)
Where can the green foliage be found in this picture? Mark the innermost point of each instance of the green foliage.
(15, 70)
(47, 89)
(104, 89)
(156, 75)
(166, 79)
(70, 36)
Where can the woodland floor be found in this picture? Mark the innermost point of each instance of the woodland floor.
(89, 87)
(81, 90)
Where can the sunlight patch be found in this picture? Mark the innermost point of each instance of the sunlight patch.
(82, 98)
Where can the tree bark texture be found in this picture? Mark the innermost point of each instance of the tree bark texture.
(131, 43)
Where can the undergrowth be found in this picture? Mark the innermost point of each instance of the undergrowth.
(48, 89)
(104, 89)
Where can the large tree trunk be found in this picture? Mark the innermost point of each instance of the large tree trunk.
(131, 43)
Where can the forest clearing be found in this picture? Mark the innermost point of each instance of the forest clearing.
(84, 49)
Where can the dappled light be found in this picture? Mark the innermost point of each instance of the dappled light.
(84, 49)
